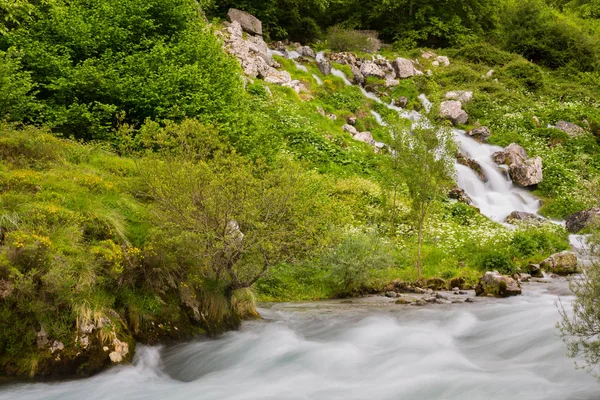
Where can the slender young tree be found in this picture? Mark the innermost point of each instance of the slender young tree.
(423, 156)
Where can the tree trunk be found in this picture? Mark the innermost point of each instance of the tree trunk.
(410, 8)
(419, 265)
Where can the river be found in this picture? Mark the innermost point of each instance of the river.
(370, 349)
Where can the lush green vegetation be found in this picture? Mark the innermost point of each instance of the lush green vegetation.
(146, 189)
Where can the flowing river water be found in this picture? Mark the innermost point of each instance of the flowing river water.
(370, 349)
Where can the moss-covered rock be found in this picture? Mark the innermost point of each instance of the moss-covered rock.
(492, 284)
(563, 263)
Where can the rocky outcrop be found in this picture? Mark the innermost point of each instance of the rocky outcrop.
(359, 78)
(570, 128)
(527, 173)
(521, 216)
(403, 68)
(370, 68)
(575, 223)
(474, 165)
(524, 171)
(365, 137)
(306, 51)
(493, 284)
(248, 22)
(481, 133)
(441, 61)
(459, 194)
(350, 129)
(452, 110)
(324, 67)
(460, 95)
(563, 263)
(121, 349)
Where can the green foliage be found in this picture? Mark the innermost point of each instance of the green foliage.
(91, 64)
(17, 102)
(485, 53)
(354, 260)
(496, 260)
(340, 39)
(528, 75)
(580, 321)
(539, 34)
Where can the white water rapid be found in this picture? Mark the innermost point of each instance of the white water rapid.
(492, 350)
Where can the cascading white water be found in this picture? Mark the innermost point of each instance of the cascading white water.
(497, 197)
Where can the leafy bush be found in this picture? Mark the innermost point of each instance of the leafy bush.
(528, 75)
(341, 39)
(496, 260)
(485, 53)
(353, 261)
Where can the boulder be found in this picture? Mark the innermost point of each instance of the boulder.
(370, 68)
(404, 68)
(575, 223)
(443, 61)
(489, 74)
(460, 95)
(401, 101)
(428, 55)
(359, 78)
(306, 51)
(277, 77)
(324, 67)
(493, 284)
(436, 284)
(570, 128)
(458, 283)
(527, 173)
(452, 110)
(459, 194)
(512, 154)
(391, 82)
(481, 133)
(563, 263)
(535, 270)
(365, 137)
(350, 129)
(248, 22)
(523, 171)
(521, 216)
(352, 120)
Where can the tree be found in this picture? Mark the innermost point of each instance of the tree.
(580, 328)
(424, 157)
(238, 218)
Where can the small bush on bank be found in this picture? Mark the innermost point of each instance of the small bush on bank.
(340, 39)
(527, 74)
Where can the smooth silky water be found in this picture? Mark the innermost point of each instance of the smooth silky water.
(491, 349)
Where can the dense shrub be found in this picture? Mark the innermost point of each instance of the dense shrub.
(528, 75)
(341, 39)
(485, 53)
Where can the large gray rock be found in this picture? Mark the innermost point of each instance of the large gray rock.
(527, 173)
(365, 137)
(563, 263)
(493, 284)
(521, 216)
(252, 53)
(404, 68)
(359, 78)
(350, 129)
(460, 195)
(481, 133)
(523, 171)
(460, 95)
(513, 153)
(370, 68)
(452, 110)
(583, 219)
(306, 51)
(324, 67)
(570, 128)
(248, 22)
